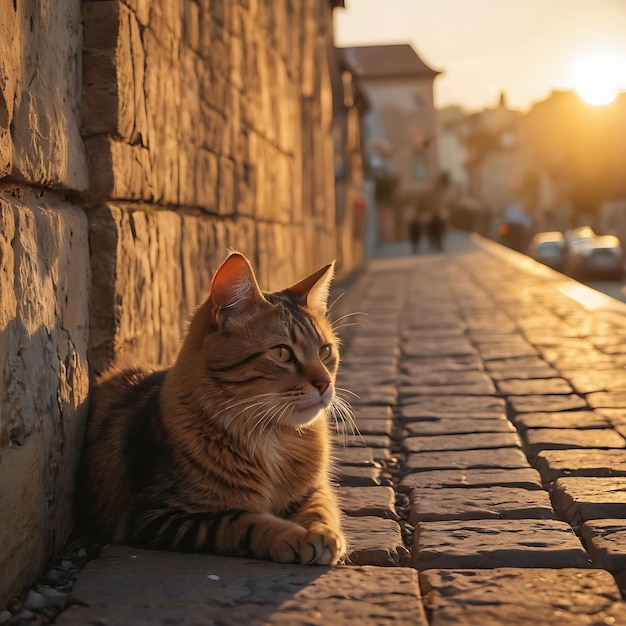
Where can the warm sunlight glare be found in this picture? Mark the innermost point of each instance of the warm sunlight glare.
(596, 77)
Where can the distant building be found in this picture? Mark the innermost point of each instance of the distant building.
(400, 131)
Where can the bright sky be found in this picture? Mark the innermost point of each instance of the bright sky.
(525, 48)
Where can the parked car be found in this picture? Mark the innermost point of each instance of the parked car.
(548, 248)
(574, 236)
(600, 257)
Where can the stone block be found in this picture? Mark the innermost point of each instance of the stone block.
(535, 403)
(549, 597)
(554, 463)
(496, 543)
(505, 458)
(44, 334)
(465, 441)
(368, 501)
(580, 420)
(375, 541)
(459, 426)
(524, 478)
(537, 439)
(431, 505)
(41, 100)
(605, 540)
(134, 586)
(578, 499)
(534, 386)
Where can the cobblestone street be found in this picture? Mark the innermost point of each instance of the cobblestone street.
(487, 484)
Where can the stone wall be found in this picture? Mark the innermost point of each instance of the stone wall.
(139, 140)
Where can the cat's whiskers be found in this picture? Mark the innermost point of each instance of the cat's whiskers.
(346, 316)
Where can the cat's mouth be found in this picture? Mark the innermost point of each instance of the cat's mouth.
(306, 413)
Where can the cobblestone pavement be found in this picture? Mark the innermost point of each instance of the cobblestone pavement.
(488, 482)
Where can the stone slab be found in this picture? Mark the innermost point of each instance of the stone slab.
(375, 541)
(506, 458)
(452, 406)
(466, 441)
(496, 543)
(534, 386)
(578, 499)
(535, 403)
(537, 439)
(351, 476)
(127, 586)
(590, 380)
(359, 457)
(607, 399)
(581, 420)
(605, 540)
(554, 463)
(460, 425)
(431, 505)
(368, 501)
(524, 478)
(410, 392)
(522, 596)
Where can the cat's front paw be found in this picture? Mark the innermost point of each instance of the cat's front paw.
(330, 544)
(320, 545)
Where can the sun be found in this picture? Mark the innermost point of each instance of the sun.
(596, 77)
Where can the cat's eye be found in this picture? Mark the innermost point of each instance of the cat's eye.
(283, 354)
(326, 351)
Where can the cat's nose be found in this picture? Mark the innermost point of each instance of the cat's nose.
(322, 385)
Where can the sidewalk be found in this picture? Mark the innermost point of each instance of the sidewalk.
(488, 485)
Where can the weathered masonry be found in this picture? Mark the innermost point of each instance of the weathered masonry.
(139, 139)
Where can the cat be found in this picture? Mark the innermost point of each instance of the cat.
(228, 451)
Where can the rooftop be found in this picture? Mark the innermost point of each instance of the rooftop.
(388, 60)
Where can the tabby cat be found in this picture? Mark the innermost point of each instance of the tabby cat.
(226, 452)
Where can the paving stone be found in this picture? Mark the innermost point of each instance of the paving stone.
(368, 501)
(373, 412)
(588, 381)
(578, 499)
(351, 476)
(605, 540)
(382, 395)
(359, 457)
(459, 425)
(537, 439)
(533, 404)
(555, 463)
(468, 441)
(458, 365)
(430, 505)
(438, 346)
(445, 378)
(521, 364)
(534, 386)
(375, 426)
(496, 543)
(607, 399)
(581, 420)
(453, 406)
(518, 373)
(522, 597)
(408, 392)
(615, 416)
(128, 586)
(508, 458)
(375, 541)
(505, 350)
(525, 478)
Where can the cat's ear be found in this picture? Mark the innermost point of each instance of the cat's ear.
(234, 290)
(314, 289)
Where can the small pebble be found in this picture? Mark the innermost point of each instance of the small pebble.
(35, 600)
(213, 577)
(82, 553)
(5, 616)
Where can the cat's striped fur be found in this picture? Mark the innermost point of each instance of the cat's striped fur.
(227, 451)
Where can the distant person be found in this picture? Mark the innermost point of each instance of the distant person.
(415, 233)
(435, 229)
